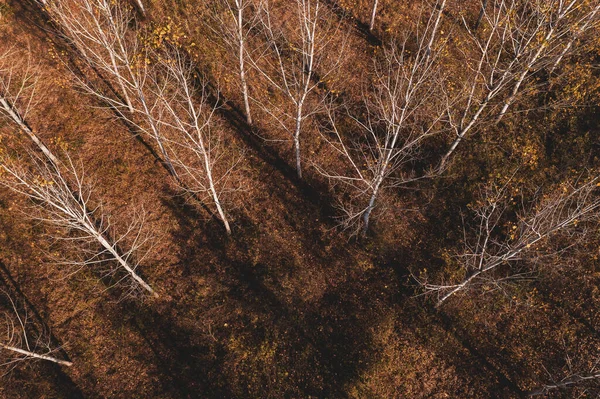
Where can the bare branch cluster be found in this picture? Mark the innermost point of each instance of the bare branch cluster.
(21, 339)
(59, 190)
(517, 39)
(401, 111)
(299, 55)
(413, 98)
(235, 21)
(488, 247)
(63, 198)
(154, 89)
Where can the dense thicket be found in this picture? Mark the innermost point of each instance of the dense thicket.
(299, 198)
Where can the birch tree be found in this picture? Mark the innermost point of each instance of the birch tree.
(99, 31)
(488, 247)
(20, 340)
(297, 50)
(517, 39)
(59, 189)
(401, 113)
(61, 197)
(196, 147)
(158, 92)
(235, 20)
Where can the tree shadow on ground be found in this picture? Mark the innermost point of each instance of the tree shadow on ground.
(320, 339)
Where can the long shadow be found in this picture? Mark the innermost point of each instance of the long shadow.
(189, 367)
(576, 313)
(315, 191)
(331, 352)
(312, 190)
(361, 28)
(478, 360)
(403, 261)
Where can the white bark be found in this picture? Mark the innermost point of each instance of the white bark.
(21, 339)
(57, 185)
(17, 85)
(187, 120)
(297, 131)
(13, 114)
(241, 17)
(32, 355)
(242, 59)
(373, 14)
(436, 24)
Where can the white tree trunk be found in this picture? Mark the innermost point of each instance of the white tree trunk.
(462, 132)
(156, 134)
(522, 76)
(435, 27)
(16, 118)
(213, 190)
(370, 207)
(110, 248)
(373, 14)
(36, 356)
(241, 54)
(297, 139)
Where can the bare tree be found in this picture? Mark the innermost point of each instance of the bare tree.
(434, 30)
(59, 187)
(235, 20)
(23, 341)
(197, 149)
(487, 247)
(61, 197)
(518, 39)
(159, 94)
(99, 31)
(555, 21)
(586, 23)
(17, 86)
(403, 111)
(297, 51)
